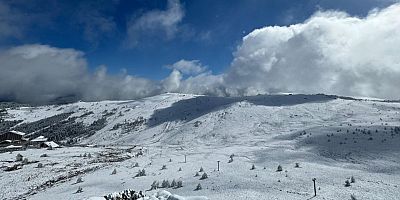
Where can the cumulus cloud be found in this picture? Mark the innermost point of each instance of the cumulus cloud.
(331, 52)
(40, 73)
(172, 82)
(189, 67)
(205, 83)
(101, 85)
(37, 73)
(155, 22)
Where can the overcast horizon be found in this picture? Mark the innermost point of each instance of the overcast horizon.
(116, 50)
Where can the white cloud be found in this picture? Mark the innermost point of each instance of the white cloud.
(204, 83)
(331, 52)
(40, 73)
(172, 82)
(101, 85)
(155, 22)
(189, 67)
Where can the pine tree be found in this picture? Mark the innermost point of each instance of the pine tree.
(347, 183)
(79, 180)
(179, 184)
(198, 187)
(165, 184)
(204, 176)
(79, 190)
(19, 157)
(173, 183)
(154, 186)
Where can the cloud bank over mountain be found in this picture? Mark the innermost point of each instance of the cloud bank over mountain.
(331, 52)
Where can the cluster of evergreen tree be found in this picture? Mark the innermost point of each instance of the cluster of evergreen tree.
(57, 128)
(43, 123)
(69, 130)
(128, 126)
(7, 125)
(62, 130)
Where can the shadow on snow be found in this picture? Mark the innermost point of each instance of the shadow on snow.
(193, 108)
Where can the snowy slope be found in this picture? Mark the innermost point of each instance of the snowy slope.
(332, 138)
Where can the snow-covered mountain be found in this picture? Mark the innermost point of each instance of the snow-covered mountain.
(331, 137)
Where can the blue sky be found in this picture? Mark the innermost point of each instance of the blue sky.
(129, 49)
(208, 30)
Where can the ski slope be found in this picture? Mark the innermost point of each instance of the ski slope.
(332, 138)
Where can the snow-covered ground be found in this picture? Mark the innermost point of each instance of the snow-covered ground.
(332, 139)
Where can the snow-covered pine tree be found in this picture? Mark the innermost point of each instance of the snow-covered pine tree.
(154, 185)
(173, 183)
(204, 176)
(165, 184)
(79, 190)
(198, 187)
(179, 184)
(347, 183)
(279, 168)
(79, 180)
(19, 157)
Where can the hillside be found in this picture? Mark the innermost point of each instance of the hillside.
(332, 138)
